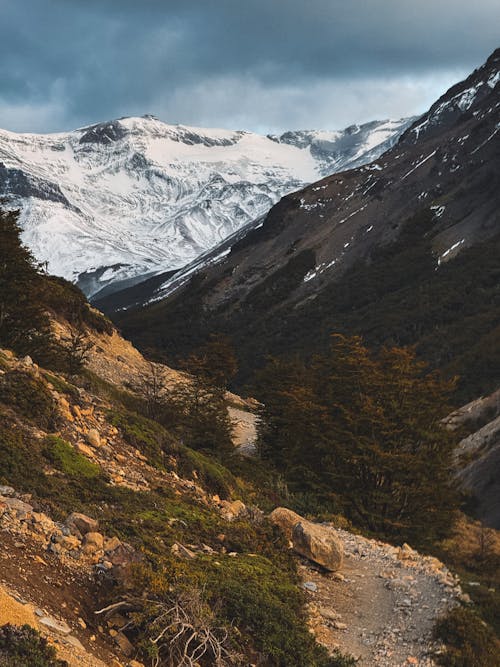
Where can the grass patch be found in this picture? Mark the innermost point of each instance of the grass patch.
(64, 457)
(30, 397)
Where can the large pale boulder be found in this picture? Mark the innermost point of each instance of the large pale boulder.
(319, 544)
(286, 520)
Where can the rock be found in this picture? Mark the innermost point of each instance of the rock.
(81, 448)
(6, 490)
(81, 523)
(93, 437)
(310, 586)
(74, 642)
(125, 646)
(231, 510)
(180, 550)
(319, 544)
(111, 544)
(68, 542)
(286, 520)
(54, 625)
(92, 543)
(17, 507)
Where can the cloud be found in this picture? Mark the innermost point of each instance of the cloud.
(267, 65)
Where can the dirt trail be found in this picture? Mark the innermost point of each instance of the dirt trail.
(382, 607)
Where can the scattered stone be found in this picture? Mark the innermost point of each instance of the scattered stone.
(54, 625)
(125, 646)
(310, 586)
(74, 642)
(182, 551)
(92, 543)
(93, 437)
(81, 448)
(81, 523)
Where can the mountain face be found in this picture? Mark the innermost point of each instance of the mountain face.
(368, 251)
(135, 196)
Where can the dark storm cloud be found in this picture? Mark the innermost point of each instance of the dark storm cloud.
(248, 63)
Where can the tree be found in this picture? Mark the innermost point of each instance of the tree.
(215, 361)
(24, 324)
(152, 387)
(366, 429)
(78, 348)
(198, 411)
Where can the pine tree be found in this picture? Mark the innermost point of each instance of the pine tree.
(24, 325)
(365, 429)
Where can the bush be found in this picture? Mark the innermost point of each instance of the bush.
(146, 435)
(469, 641)
(211, 474)
(25, 647)
(30, 397)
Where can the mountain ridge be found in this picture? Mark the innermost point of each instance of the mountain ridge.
(136, 196)
(300, 274)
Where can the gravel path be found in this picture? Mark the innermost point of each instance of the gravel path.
(382, 607)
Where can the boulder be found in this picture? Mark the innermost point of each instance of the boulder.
(319, 544)
(286, 520)
(232, 509)
(92, 543)
(111, 544)
(93, 437)
(81, 523)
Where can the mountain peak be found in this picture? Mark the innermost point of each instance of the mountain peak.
(133, 196)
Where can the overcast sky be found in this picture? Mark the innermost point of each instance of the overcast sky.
(263, 65)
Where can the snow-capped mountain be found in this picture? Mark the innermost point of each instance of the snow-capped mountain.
(136, 196)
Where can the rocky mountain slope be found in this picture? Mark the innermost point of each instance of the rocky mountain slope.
(385, 250)
(478, 455)
(136, 196)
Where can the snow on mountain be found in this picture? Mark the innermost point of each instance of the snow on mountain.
(133, 197)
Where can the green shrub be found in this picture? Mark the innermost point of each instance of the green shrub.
(30, 397)
(61, 454)
(146, 435)
(469, 641)
(211, 474)
(23, 646)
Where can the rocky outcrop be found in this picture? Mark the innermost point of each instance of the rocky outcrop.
(478, 454)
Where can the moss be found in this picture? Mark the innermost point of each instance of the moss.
(30, 397)
(66, 458)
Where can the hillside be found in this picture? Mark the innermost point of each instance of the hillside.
(403, 251)
(134, 533)
(123, 200)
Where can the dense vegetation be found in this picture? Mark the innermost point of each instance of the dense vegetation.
(28, 296)
(347, 431)
(25, 647)
(360, 434)
(397, 296)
